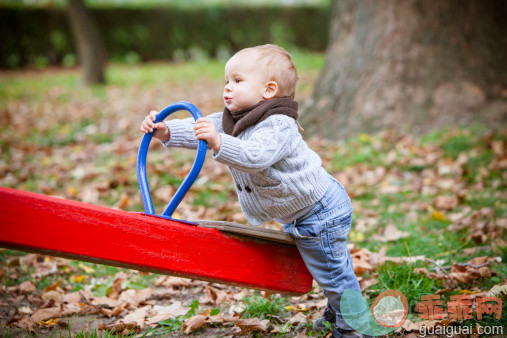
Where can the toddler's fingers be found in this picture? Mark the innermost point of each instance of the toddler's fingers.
(201, 129)
(202, 120)
(199, 125)
(201, 136)
(160, 125)
(153, 115)
(202, 124)
(149, 122)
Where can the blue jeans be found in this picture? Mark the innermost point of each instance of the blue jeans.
(321, 238)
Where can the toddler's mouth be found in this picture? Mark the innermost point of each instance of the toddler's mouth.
(227, 99)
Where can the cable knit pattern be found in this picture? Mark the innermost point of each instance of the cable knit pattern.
(275, 172)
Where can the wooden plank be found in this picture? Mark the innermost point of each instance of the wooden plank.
(39, 223)
(249, 231)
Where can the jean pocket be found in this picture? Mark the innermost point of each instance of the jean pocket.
(310, 230)
(337, 231)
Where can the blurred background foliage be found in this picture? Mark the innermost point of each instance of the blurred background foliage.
(38, 33)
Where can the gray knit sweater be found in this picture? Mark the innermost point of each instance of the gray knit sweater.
(275, 172)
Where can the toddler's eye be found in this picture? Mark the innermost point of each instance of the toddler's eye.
(238, 80)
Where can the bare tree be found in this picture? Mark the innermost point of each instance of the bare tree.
(91, 48)
(410, 64)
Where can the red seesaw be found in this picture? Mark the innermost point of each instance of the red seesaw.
(212, 251)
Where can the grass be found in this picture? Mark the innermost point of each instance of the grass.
(32, 85)
(258, 306)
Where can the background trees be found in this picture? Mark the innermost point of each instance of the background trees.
(411, 64)
(90, 46)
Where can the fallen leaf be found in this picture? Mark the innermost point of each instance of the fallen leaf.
(118, 309)
(89, 195)
(72, 297)
(219, 318)
(467, 273)
(239, 295)
(24, 322)
(252, 324)
(193, 323)
(53, 295)
(366, 283)
(496, 290)
(137, 317)
(53, 286)
(29, 260)
(158, 317)
(119, 327)
(436, 215)
(123, 203)
(27, 287)
(73, 309)
(25, 310)
(119, 278)
(215, 295)
(391, 233)
(298, 318)
(86, 293)
(237, 309)
(45, 314)
(361, 261)
(86, 268)
(104, 302)
(78, 278)
(106, 312)
(445, 202)
(48, 323)
(301, 307)
(134, 297)
(175, 309)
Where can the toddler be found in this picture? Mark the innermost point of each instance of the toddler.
(277, 176)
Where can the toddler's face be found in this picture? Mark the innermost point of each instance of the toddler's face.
(245, 83)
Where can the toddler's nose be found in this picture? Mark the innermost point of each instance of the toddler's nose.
(228, 87)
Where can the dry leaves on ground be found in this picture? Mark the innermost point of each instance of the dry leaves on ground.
(473, 271)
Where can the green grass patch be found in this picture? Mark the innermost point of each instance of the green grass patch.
(402, 277)
(208, 197)
(173, 324)
(34, 86)
(360, 149)
(61, 135)
(257, 306)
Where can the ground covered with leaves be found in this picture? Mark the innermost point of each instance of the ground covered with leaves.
(429, 211)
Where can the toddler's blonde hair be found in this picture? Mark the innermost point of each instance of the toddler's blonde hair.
(279, 67)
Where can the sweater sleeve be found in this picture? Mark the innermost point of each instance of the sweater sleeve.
(183, 133)
(266, 146)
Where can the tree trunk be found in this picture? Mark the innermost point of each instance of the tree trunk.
(91, 48)
(411, 65)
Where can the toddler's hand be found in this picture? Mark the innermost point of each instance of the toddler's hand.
(161, 132)
(206, 130)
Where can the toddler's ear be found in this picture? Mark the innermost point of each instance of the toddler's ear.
(270, 90)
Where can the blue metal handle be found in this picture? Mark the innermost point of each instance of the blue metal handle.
(192, 175)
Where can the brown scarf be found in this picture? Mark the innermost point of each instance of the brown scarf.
(236, 122)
